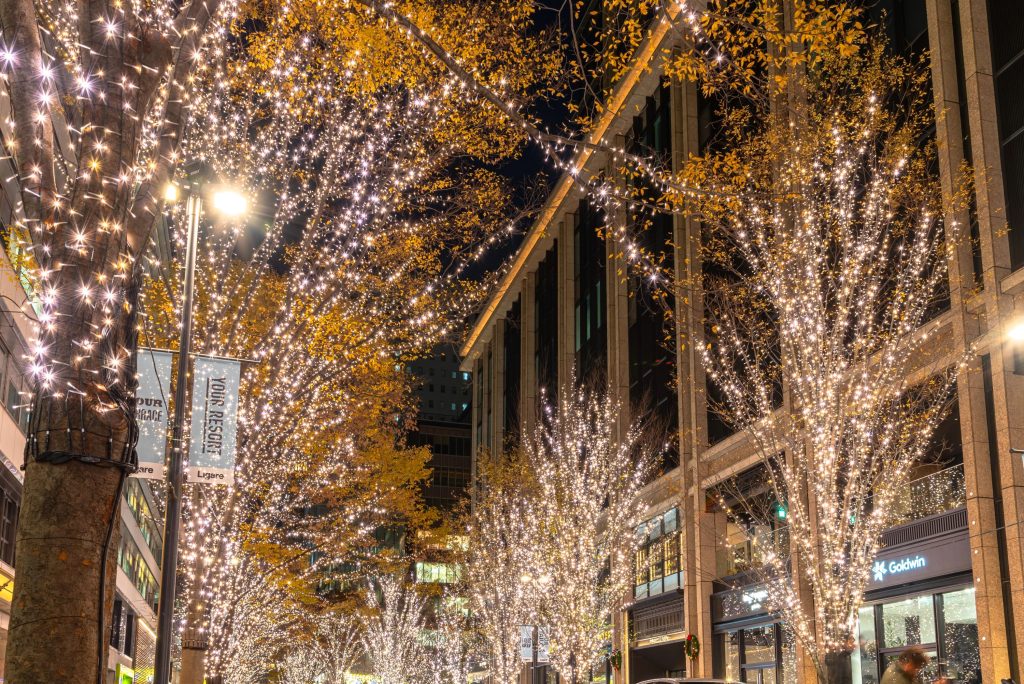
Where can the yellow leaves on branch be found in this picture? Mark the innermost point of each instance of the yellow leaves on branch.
(341, 47)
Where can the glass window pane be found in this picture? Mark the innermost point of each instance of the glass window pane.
(865, 657)
(759, 644)
(655, 561)
(960, 637)
(930, 673)
(908, 622)
(641, 566)
(654, 529)
(671, 520)
(671, 554)
(732, 656)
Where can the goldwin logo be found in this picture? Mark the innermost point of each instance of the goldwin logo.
(895, 567)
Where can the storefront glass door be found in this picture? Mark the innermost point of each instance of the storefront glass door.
(959, 639)
(945, 625)
(753, 654)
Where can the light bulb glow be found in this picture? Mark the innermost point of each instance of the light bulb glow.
(229, 203)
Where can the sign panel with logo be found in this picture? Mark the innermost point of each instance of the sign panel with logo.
(736, 604)
(543, 645)
(154, 369)
(526, 643)
(211, 456)
(912, 563)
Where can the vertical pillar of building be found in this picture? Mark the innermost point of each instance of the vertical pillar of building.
(566, 352)
(702, 530)
(995, 478)
(617, 312)
(528, 363)
(474, 415)
(971, 389)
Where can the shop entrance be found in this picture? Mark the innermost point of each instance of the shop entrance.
(758, 654)
(661, 660)
(944, 624)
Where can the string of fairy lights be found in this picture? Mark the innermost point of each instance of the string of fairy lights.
(358, 167)
(347, 175)
(849, 275)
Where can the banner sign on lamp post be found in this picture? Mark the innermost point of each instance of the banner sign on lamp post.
(211, 456)
(543, 644)
(154, 369)
(526, 643)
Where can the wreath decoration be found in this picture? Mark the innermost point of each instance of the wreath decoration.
(692, 646)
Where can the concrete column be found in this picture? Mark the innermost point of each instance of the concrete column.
(999, 577)
(988, 173)
(617, 313)
(981, 511)
(702, 530)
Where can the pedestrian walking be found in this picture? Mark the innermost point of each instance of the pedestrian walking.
(907, 667)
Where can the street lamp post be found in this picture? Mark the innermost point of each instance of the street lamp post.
(175, 476)
(228, 203)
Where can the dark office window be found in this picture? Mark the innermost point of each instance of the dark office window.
(129, 634)
(590, 293)
(479, 403)
(513, 335)
(115, 623)
(905, 23)
(651, 323)
(10, 504)
(709, 135)
(1008, 69)
(546, 322)
(488, 405)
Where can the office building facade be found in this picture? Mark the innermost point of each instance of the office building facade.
(950, 576)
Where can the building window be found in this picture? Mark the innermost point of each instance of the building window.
(512, 357)
(14, 392)
(546, 323)
(1008, 71)
(590, 300)
(651, 363)
(658, 562)
(143, 514)
(945, 625)
(437, 573)
(134, 566)
(761, 654)
(10, 504)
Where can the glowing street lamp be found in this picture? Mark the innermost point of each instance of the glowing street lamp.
(230, 204)
(1015, 333)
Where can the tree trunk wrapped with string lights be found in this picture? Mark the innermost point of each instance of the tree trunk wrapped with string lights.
(825, 259)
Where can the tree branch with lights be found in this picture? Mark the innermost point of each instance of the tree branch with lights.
(821, 278)
(588, 471)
